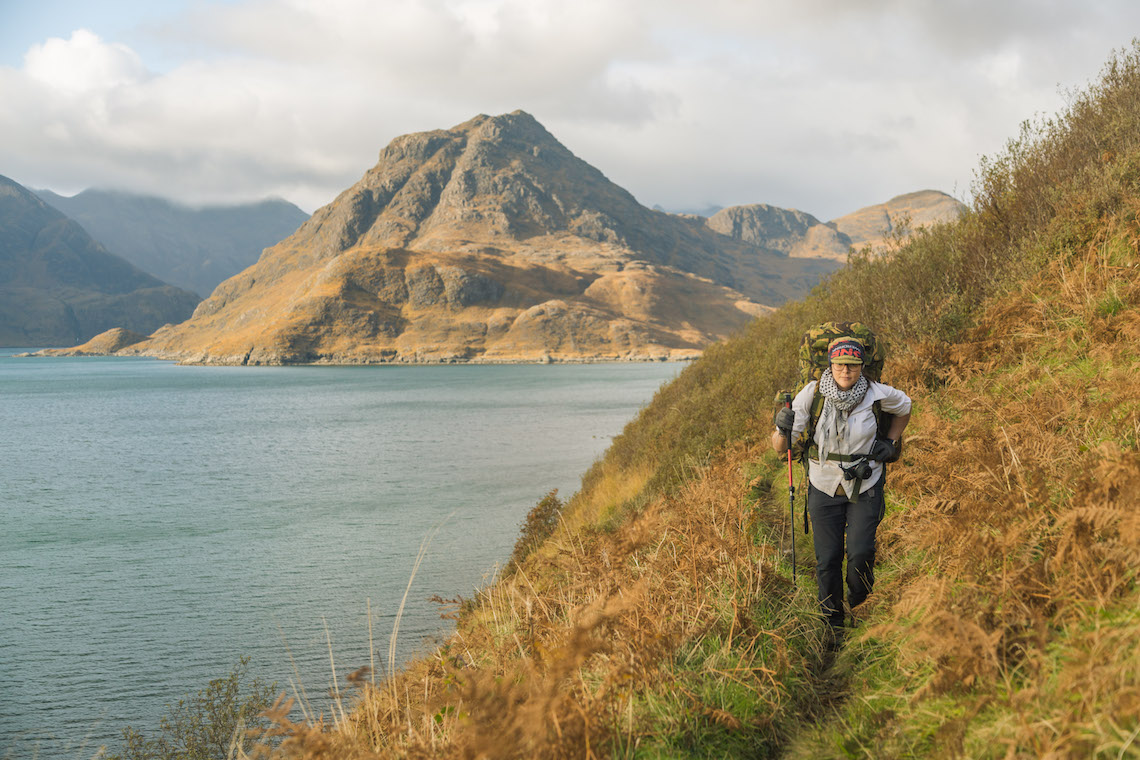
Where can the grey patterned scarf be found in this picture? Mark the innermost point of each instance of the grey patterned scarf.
(832, 426)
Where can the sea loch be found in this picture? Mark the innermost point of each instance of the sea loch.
(160, 522)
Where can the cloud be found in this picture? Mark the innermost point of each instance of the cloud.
(83, 64)
(228, 129)
(498, 50)
(287, 88)
(826, 105)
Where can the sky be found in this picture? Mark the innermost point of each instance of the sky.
(826, 106)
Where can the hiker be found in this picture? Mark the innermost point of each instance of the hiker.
(845, 469)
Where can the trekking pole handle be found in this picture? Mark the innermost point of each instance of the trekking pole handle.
(788, 405)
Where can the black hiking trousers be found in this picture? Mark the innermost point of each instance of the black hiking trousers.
(834, 519)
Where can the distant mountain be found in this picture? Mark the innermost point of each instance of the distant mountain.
(706, 211)
(489, 241)
(801, 235)
(59, 287)
(193, 248)
(874, 225)
(794, 233)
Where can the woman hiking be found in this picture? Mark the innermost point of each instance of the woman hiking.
(845, 470)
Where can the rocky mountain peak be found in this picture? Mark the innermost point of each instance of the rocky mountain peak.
(488, 241)
(763, 225)
(517, 124)
(488, 180)
(875, 225)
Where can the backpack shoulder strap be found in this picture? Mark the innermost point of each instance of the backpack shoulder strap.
(883, 419)
(804, 446)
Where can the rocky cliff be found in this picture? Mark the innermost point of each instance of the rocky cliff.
(58, 287)
(489, 241)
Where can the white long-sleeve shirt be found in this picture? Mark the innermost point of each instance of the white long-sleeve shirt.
(861, 429)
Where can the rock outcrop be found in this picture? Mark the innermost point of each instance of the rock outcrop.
(489, 241)
(58, 287)
(103, 344)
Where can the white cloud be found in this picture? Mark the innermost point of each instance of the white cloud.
(83, 64)
(826, 105)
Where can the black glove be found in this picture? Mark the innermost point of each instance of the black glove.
(882, 450)
(785, 418)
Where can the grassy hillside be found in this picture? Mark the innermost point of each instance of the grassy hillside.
(654, 614)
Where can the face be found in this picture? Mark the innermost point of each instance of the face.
(846, 375)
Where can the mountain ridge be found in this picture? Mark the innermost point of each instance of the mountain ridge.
(492, 242)
(192, 247)
(801, 235)
(489, 241)
(59, 287)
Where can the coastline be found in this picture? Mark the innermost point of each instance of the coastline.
(670, 356)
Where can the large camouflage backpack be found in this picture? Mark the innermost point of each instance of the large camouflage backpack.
(813, 361)
(813, 349)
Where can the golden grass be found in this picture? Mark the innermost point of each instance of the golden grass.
(1005, 618)
(568, 656)
(1014, 582)
(613, 488)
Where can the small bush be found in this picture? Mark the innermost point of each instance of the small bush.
(211, 725)
(540, 523)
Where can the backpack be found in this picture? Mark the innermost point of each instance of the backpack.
(813, 361)
(813, 349)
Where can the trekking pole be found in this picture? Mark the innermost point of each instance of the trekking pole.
(791, 493)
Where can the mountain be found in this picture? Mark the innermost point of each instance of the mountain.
(489, 241)
(792, 232)
(874, 225)
(801, 235)
(60, 287)
(193, 248)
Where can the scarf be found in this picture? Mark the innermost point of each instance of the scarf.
(832, 427)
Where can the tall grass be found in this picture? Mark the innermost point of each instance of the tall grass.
(655, 616)
(1011, 570)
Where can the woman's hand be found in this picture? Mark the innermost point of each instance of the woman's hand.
(782, 435)
(883, 450)
(785, 418)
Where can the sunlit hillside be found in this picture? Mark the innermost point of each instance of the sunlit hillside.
(654, 614)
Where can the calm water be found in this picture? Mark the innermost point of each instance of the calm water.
(159, 522)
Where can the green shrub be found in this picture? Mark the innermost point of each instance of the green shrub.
(207, 725)
(539, 524)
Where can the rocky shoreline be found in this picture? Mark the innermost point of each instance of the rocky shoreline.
(119, 342)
